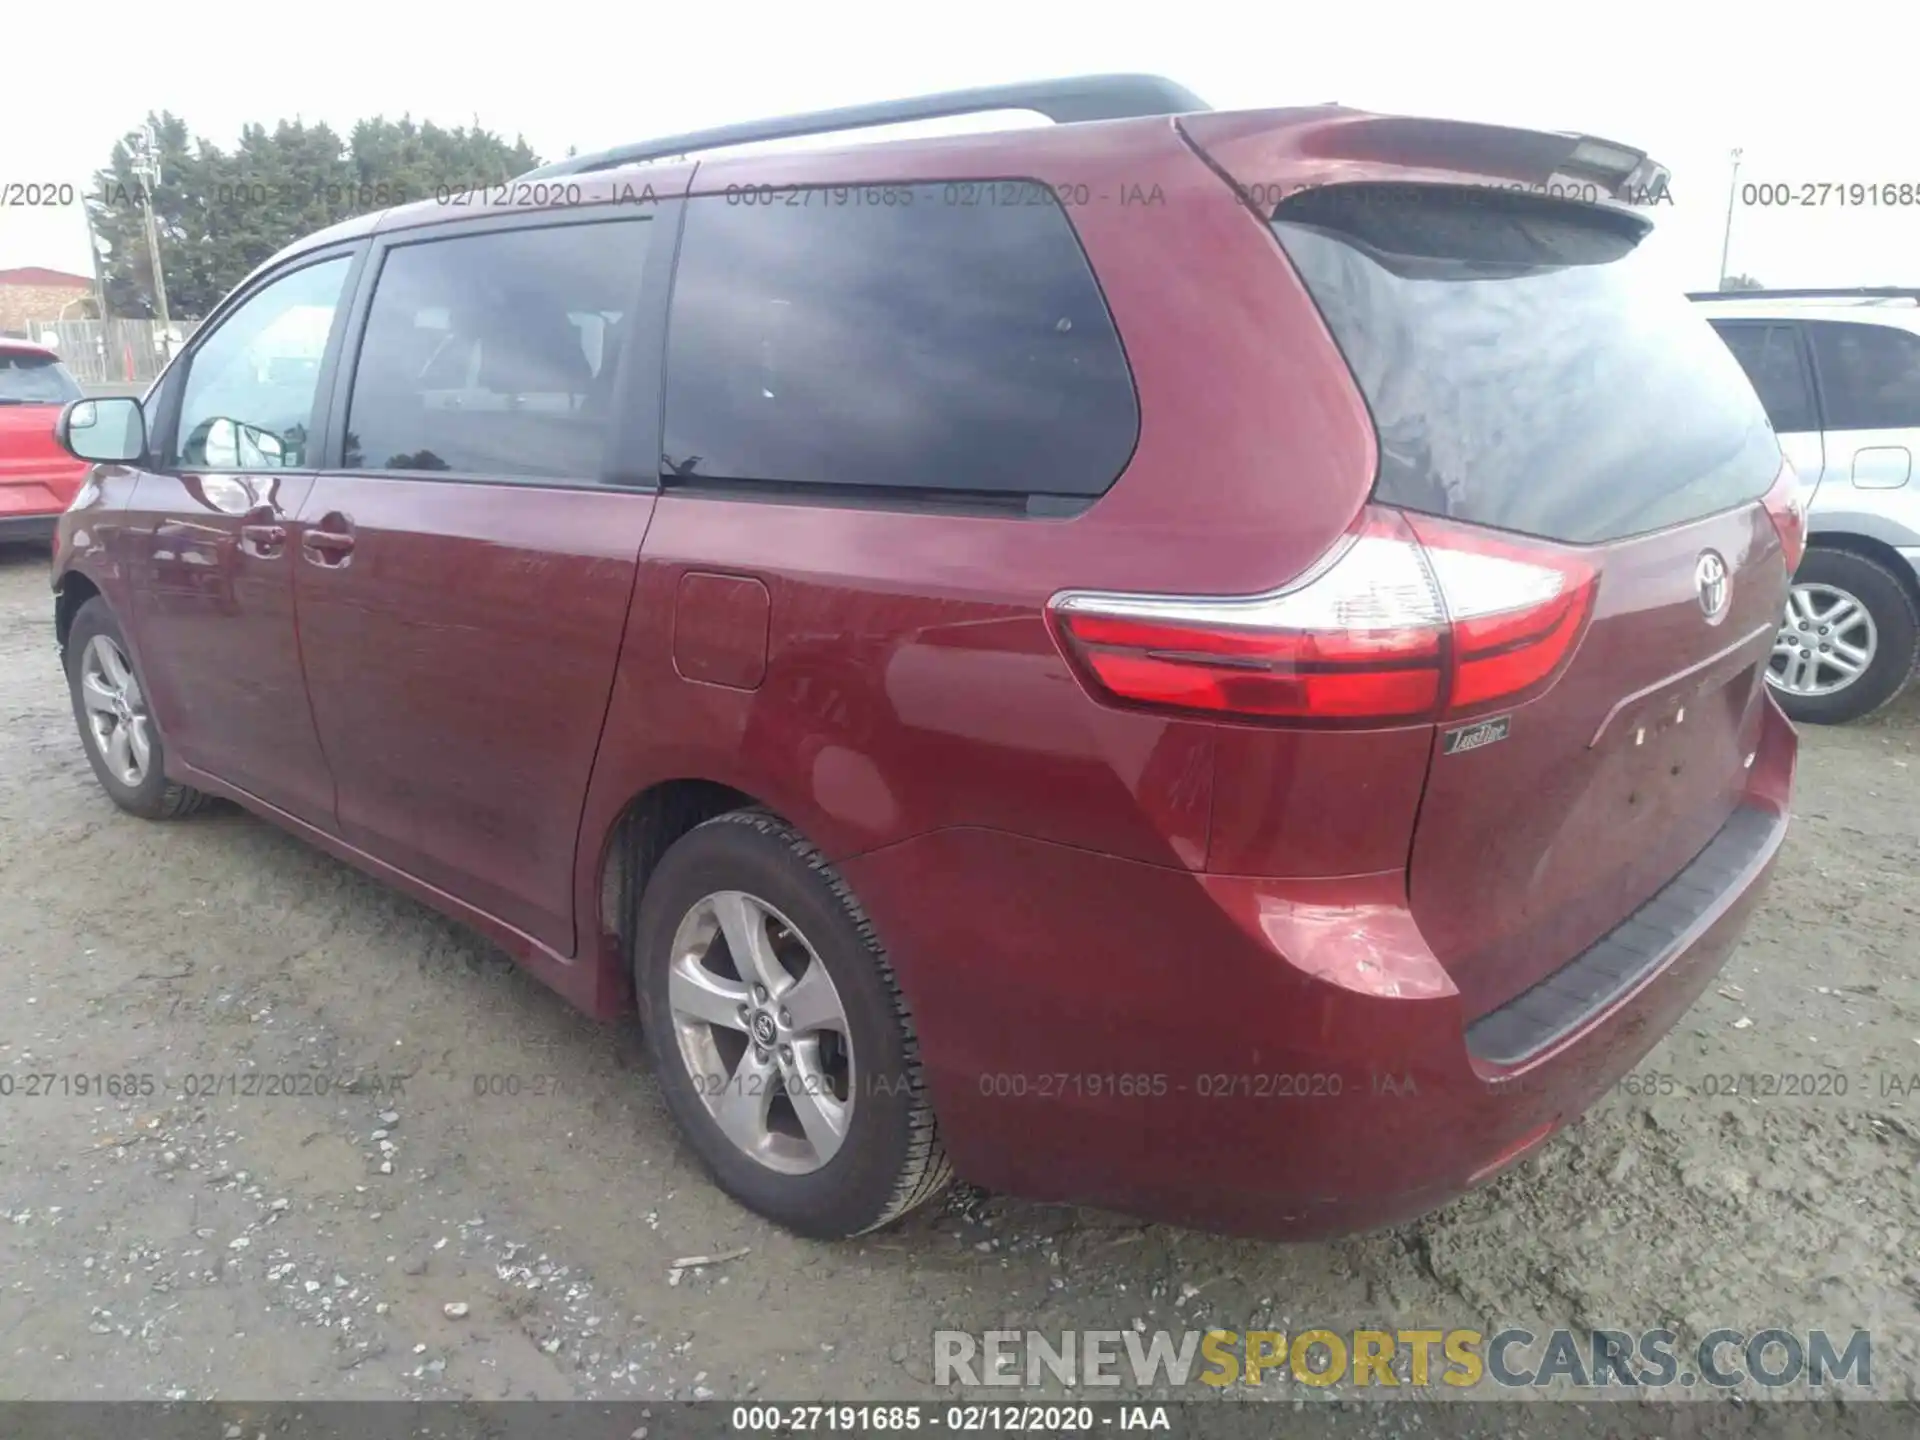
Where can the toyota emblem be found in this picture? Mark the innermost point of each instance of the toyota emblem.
(1711, 584)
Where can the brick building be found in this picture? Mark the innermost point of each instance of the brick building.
(35, 295)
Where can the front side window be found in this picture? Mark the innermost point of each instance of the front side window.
(495, 355)
(27, 378)
(1869, 375)
(1770, 354)
(248, 402)
(887, 338)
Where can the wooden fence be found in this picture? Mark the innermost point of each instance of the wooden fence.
(125, 352)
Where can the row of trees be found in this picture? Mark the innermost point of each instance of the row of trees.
(219, 213)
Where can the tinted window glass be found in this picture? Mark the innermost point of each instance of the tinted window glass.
(1770, 355)
(248, 401)
(27, 379)
(915, 344)
(1869, 375)
(495, 354)
(1523, 367)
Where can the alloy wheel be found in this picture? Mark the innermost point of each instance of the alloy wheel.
(762, 1032)
(117, 719)
(1826, 642)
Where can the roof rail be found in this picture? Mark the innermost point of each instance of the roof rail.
(1857, 292)
(1082, 97)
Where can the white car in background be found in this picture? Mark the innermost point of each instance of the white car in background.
(1839, 374)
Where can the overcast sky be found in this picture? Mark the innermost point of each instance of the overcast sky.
(1811, 93)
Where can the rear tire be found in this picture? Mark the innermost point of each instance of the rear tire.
(748, 872)
(1895, 627)
(116, 728)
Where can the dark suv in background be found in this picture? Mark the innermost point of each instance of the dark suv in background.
(1135, 661)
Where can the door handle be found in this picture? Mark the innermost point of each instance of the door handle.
(329, 541)
(261, 534)
(263, 542)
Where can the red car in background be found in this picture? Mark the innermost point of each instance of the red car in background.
(38, 478)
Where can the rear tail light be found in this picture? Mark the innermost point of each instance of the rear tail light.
(1406, 619)
(1786, 506)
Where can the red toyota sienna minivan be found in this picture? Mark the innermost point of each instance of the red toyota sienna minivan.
(1206, 664)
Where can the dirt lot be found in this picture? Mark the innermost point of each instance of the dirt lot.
(248, 1246)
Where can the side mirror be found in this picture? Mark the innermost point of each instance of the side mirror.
(110, 430)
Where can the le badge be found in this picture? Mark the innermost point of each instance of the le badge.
(1476, 735)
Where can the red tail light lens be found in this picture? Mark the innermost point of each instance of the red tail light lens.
(1518, 610)
(1406, 619)
(1786, 506)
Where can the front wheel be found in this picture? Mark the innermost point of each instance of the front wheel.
(116, 727)
(781, 1041)
(1848, 642)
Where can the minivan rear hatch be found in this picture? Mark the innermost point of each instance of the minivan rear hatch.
(1530, 373)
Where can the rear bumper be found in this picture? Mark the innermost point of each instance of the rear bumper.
(33, 496)
(25, 529)
(1264, 1057)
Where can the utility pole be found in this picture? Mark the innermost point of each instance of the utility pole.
(146, 166)
(99, 270)
(1726, 238)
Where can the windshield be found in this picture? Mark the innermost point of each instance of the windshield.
(32, 379)
(1524, 368)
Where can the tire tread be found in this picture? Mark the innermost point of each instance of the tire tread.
(173, 800)
(926, 1171)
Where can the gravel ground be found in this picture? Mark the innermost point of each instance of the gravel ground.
(408, 1238)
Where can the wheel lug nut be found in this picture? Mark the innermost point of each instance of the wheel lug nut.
(1804, 625)
(760, 992)
(786, 1052)
(786, 1019)
(760, 1054)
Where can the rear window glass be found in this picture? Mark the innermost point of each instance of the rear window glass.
(28, 379)
(1524, 367)
(1771, 357)
(887, 338)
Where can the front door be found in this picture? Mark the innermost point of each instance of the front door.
(209, 544)
(464, 574)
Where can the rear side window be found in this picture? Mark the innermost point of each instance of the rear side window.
(1524, 368)
(1770, 354)
(30, 379)
(495, 354)
(882, 338)
(1869, 375)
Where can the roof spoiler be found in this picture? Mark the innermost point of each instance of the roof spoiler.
(1084, 97)
(1581, 165)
